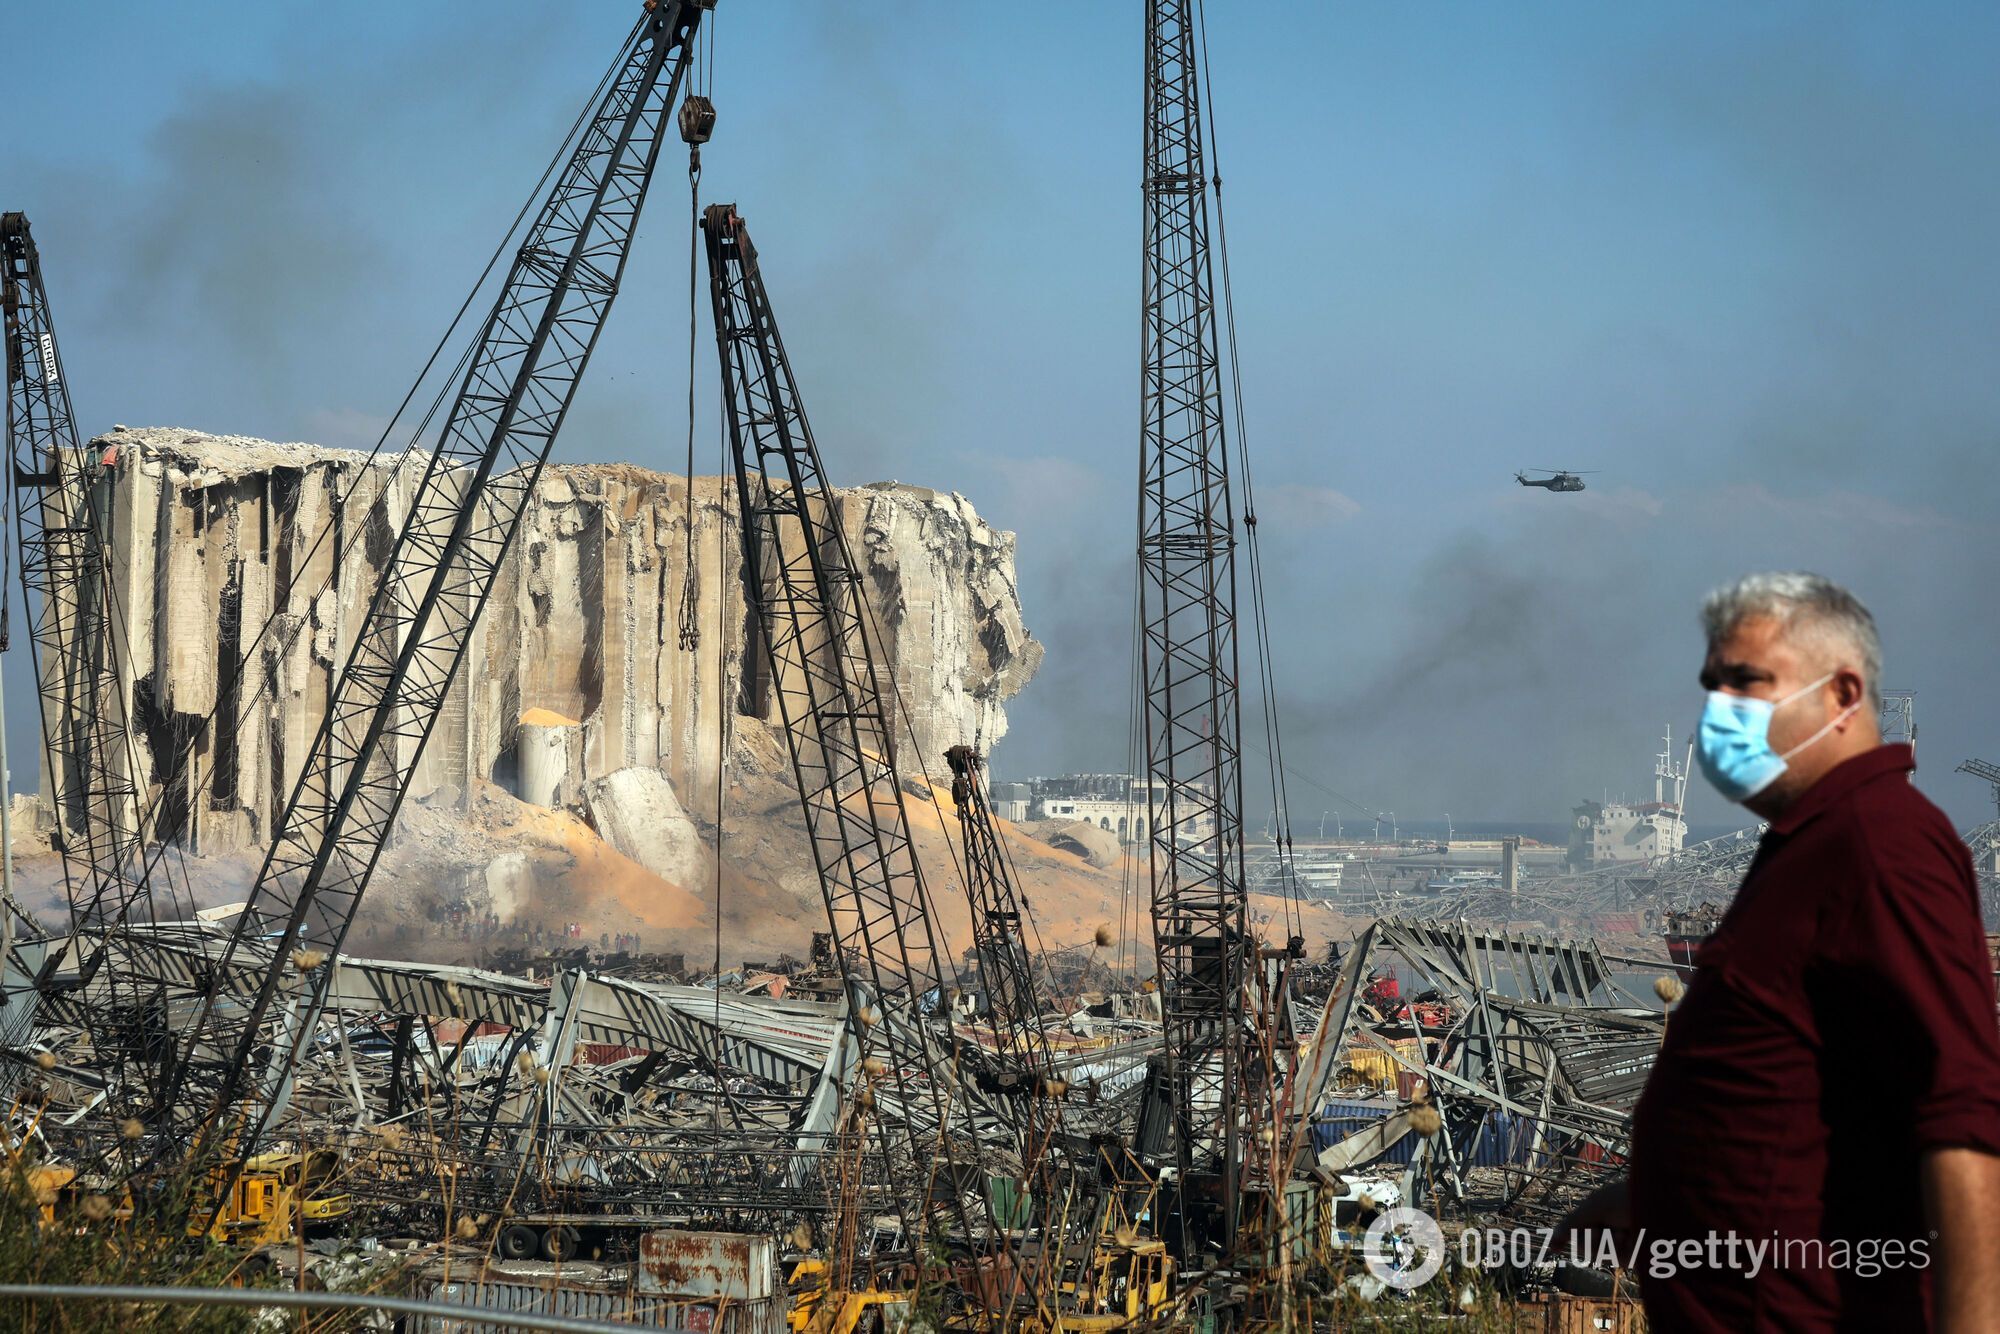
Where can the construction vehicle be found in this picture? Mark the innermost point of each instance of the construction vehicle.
(1126, 1283)
(272, 1197)
(54, 1188)
(1129, 1284)
(820, 1305)
(1121, 1274)
(59, 1189)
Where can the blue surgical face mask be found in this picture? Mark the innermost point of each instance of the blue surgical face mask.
(1734, 740)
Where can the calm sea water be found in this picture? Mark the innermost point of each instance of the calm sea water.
(1549, 831)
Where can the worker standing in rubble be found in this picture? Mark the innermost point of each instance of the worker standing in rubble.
(1818, 1146)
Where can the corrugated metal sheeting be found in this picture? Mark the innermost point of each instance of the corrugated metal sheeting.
(691, 1282)
(682, 1315)
(1338, 1120)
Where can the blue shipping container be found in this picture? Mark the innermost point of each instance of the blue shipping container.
(1503, 1141)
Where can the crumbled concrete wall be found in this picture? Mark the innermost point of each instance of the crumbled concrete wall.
(213, 535)
(636, 812)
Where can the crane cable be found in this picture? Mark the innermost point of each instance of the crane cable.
(1135, 764)
(1260, 619)
(7, 540)
(690, 626)
(723, 707)
(697, 123)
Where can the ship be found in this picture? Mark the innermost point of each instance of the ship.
(1610, 833)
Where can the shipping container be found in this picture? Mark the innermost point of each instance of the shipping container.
(735, 1266)
(1504, 1139)
(1338, 1120)
(677, 1315)
(589, 1292)
(605, 1053)
(1367, 1065)
(1009, 1200)
(1307, 1227)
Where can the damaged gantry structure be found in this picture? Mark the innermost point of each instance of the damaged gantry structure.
(1516, 1065)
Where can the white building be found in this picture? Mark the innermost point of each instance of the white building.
(1121, 810)
(1011, 801)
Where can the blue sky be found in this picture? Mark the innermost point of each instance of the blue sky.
(1737, 258)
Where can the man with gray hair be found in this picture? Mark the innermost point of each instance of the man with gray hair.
(1818, 1146)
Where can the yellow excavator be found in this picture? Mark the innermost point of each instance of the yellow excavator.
(1129, 1283)
(55, 1190)
(275, 1195)
(819, 1308)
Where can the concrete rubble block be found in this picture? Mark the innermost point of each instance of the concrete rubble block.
(1097, 846)
(636, 812)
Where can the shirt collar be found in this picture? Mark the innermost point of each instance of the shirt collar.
(1842, 779)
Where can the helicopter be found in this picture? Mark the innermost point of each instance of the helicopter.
(1557, 481)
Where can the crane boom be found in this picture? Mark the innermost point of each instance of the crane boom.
(1069, 1199)
(62, 557)
(68, 596)
(1187, 590)
(998, 920)
(806, 597)
(463, 515)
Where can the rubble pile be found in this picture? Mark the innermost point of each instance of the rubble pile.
(1507, 1076)
(578, 1097)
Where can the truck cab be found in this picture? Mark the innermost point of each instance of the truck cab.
(276, 1195)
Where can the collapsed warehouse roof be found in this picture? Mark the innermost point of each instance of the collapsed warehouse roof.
(1533, 1028)
(592, 1092)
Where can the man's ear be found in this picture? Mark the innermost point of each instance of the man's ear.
(1849, 689)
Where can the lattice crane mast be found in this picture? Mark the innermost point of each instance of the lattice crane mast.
(999, 918)
(1075, 1206)
(463, 515)
(1989, 772)
(809, 614)
(1228, 1039)
(71, 618)
(1189, 660)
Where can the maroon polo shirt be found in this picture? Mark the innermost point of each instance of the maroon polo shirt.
(1840, 1022)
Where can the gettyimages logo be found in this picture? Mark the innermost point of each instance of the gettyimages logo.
(1404, 1248)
